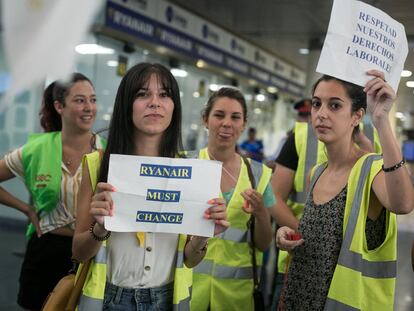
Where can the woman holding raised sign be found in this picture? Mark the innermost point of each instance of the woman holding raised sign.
(132, 271)
(224, 278)
(346, 258)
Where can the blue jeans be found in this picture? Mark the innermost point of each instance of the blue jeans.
(138, 299)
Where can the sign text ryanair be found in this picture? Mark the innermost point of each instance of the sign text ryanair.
(163, 195)
(155, 217)
(165, 171)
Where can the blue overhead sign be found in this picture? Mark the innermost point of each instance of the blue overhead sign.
(126, 20)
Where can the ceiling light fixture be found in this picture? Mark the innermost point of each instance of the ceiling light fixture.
(399, 115)
(214, 87)
(272, 89)
(112, 63)
(260, 97)
(409, 83)
(304, 51)
(200, 64)
(406, 73)
(180, 73)
(93, 49)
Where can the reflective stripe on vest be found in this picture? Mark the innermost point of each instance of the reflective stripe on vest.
(180, 259)
(352, 260)
(348, 258)
(224, 272)
(236, 235)
(338, 306)
(363, 269)
(100, 257)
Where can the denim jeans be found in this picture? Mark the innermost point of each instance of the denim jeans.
(138, 299)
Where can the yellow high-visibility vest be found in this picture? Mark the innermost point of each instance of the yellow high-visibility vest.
(223, 280)
(363, 279)
(311, 152)
(93, 290)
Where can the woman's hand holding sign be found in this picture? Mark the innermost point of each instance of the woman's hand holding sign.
(217, 212)
(380, 97)
(196, 246)
(101, 203)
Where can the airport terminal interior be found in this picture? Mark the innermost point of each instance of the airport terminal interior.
(269, 49)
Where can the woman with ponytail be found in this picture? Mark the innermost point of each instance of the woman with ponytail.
(50, 166)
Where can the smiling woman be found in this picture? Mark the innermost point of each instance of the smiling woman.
(50, 165)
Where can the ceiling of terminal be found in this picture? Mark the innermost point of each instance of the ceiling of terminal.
(284, 26)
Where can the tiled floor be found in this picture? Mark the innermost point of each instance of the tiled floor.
(12, 244)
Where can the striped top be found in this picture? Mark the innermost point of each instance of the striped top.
(65, 212)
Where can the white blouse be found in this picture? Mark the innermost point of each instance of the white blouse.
(132, 266)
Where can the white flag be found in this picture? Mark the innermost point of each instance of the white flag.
(40, 37)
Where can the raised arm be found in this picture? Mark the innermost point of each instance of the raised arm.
(392, 185)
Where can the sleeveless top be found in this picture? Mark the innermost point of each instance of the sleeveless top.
(313, 263)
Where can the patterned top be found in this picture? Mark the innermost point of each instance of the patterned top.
(65, 212)
(313, 263)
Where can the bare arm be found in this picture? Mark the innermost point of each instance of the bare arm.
(8, 199)
(393, 189)
(263, 230)
(91, 208)
(282, 184)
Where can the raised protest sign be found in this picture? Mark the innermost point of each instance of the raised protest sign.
(361, 37)
(155, 194)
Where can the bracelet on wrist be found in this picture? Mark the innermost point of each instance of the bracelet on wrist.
(200, 250)
(97, 237)
(394, 167)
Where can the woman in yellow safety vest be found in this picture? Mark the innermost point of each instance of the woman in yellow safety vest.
(346, 258)
(50, 166)
(224, 278)
(132, 271)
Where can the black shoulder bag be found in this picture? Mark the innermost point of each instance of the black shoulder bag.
(257, 294)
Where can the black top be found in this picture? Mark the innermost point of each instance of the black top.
(288, 156)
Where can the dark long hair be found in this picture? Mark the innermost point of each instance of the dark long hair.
(355, 93)
(50, 120)
(121, 128)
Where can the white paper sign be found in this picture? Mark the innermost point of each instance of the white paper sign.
(155, 194)
(361, 37)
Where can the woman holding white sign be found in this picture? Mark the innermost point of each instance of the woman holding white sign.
(224, 280)
(130, 271)
(347, 257)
